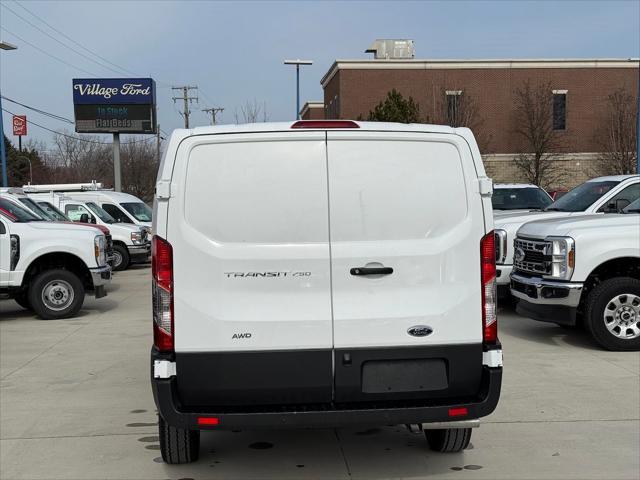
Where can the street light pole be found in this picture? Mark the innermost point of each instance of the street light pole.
(297, 63)
(3, 152)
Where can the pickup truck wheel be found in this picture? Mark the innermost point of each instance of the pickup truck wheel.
(121, 258)
(178, 445)
(56, 294)
(448, 440)
(22, 299)
(612, 314)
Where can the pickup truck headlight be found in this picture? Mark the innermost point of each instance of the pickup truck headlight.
(561, 252)
(137, 237)
(100, 248)
(501, 246)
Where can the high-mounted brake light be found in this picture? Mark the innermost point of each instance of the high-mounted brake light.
(325, 124)
(162, 291)
(489, 294)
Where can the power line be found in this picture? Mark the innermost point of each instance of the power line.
(43, 112)
(80, 139)
(49, 54)
(119, 71)
(128, 72)
(72, 40)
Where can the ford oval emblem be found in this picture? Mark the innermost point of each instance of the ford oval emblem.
(420, 331)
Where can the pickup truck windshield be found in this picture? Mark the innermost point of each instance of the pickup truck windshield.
(519, 198)
(17, 213)
(581, 197)
(102, 215)
(139, 210)
(57, 215)
(34, 207)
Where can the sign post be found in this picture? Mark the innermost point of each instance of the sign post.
(19, 128)
(116, 163)
(115, 105)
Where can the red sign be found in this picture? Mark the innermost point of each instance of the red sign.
(19, 125)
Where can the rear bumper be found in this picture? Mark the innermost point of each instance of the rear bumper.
(484, 402)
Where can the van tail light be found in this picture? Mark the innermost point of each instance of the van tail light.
(325, 124)
(162, 292)
(489, 289)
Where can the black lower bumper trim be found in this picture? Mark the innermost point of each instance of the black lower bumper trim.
(166, 399)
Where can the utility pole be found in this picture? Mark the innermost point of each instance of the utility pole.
(213, 111)
(187, 99)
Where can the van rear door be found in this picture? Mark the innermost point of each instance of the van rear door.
(248, 222)
(406, 221)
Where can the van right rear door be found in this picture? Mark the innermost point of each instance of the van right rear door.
(406, 221)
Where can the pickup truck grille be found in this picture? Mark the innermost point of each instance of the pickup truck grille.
(531, 256)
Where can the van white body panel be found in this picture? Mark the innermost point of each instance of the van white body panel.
(405, 201)
(251, 243)
(251, 217)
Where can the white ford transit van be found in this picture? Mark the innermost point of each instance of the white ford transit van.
(323, 273)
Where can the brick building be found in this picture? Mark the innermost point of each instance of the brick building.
(579, 91)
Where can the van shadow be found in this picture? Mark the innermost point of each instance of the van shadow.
(366, 452)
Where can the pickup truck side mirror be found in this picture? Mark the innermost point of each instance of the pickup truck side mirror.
(84, 218)
(621, 204)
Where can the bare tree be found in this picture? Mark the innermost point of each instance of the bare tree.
(252, 112)
(616, 136)
(534, 123)
(458, 108)
(82, 159)
(139, 167)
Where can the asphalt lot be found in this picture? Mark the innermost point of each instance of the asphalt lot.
(75, 403)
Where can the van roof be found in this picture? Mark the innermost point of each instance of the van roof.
(284, 126)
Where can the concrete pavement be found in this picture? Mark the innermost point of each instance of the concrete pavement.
(75, 403)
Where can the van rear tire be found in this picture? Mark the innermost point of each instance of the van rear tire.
(448, 440)
(178, 445)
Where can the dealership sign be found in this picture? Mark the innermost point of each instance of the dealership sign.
(19, 125)
(115, 105)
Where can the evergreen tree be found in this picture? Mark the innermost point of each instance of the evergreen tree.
(396, 109)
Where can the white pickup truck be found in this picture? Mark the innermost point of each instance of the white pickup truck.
(131, 243)
(597, 196)
(46, 266)
(583, 270)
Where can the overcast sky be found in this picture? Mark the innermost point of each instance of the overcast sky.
(234, 51)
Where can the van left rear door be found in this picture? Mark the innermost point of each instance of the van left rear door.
(248, 222)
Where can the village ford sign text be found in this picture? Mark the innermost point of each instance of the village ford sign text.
(114, 105)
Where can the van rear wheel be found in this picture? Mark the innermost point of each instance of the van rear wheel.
(448, 440)
(178, 445)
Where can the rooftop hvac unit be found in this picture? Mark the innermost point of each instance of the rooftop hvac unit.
(392, 49)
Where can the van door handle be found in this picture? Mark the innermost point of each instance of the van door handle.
(371, 271)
